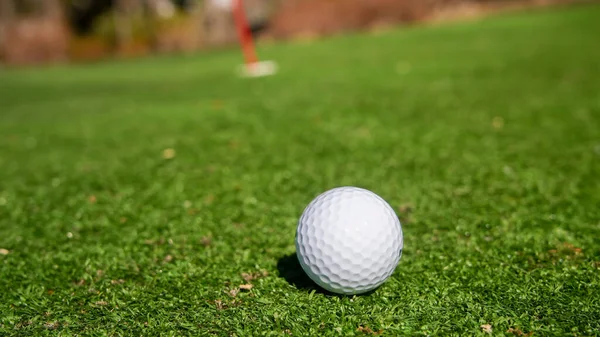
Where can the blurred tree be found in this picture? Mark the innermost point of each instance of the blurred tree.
(33, 7)
(7, 10)
(141, 14)
(177, 25)
(83, 13)
(54, 8)
(33, 31)
(7, 16)
(122, 13)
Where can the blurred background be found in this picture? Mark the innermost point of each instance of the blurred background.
(50, 31)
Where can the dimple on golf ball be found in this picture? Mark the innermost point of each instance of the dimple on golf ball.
(349, 240)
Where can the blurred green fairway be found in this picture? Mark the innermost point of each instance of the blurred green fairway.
(137, 196)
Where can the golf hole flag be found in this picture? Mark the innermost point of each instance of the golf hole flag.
(252, 67)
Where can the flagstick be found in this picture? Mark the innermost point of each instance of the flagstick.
(252, 66)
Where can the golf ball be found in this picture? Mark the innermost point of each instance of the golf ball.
(349, 240)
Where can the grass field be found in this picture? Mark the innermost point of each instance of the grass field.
(136, 197)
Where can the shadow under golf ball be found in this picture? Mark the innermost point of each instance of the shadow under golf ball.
(289, 269)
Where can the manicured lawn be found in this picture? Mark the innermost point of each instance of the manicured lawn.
(137, 196)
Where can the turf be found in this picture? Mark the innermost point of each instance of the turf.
(136, 197)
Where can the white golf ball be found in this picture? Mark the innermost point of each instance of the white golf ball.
(349, 240)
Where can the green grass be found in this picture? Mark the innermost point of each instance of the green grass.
(484, 135)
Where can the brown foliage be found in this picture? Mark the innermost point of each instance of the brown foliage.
(34, 40)
(318, 17)
(300, 18)
(89, 48)
(184, 37)
(45, 37)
